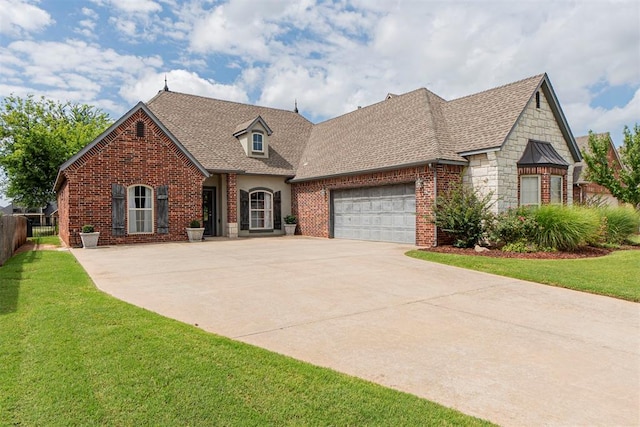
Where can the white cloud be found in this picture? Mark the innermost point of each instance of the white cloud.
(90, 13)
(148, 85)
(131, 6)
(18, 17)
(74, 70)
(334, 56)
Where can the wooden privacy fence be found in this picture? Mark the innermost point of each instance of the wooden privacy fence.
(13, 234)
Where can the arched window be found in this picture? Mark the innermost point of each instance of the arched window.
(260, 210)
(140, 209)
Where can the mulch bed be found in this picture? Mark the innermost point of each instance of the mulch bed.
(585, 252)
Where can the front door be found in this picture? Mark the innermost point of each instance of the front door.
(209, 211)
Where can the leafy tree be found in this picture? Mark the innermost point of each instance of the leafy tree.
(624, 184)
(36, 137)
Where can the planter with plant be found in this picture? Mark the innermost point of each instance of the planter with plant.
(194, 231)
(89, 236)
(290, 222)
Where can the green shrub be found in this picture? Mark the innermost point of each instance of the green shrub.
(521, 247)
(88, 228)
(564, 228)
(463, 212)
(618, 223)
(513, 226)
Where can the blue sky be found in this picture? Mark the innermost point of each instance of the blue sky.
(331, 56)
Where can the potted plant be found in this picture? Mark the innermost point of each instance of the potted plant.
(290, 225)
(89, 236)
(194, 231)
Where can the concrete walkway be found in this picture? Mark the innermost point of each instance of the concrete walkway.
(509, 351)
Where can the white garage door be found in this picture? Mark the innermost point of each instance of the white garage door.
(384, 214)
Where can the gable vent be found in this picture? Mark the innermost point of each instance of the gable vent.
(538, 99)
(140, 129)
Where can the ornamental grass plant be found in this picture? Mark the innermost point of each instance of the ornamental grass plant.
(564, 227)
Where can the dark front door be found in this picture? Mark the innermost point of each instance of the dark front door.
(209, 211)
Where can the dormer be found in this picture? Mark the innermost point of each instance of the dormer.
(254, 137)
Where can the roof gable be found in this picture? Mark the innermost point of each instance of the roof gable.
(138, 107)
(484, 121)
(242, 128)
(207, 127)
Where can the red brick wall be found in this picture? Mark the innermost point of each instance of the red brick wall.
(545, 173)
(232, 197)
(122, 158)
(311, 200)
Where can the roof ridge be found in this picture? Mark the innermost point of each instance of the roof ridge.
(536, 77)
(208, 98)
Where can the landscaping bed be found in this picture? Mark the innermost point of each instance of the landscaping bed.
(582, 252)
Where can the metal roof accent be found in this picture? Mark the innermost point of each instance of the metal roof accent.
(540, 153)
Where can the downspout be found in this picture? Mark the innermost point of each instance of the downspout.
(435, 196)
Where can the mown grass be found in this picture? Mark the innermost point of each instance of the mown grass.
(614, 275)
(46, 240)
(72, 355)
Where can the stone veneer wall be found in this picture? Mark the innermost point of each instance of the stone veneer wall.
(311, 200)
(498, 170)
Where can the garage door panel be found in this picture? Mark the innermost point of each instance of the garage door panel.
(384, 213)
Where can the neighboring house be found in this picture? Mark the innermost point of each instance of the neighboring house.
(37, 216)
(370, 174)
(585, 191)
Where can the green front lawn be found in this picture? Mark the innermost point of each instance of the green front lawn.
(614, 275)
(72, 355)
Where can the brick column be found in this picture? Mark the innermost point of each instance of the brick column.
(232, 205)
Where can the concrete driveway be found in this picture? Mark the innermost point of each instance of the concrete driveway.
(513, 352)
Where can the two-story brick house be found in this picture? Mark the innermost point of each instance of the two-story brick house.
(371, 174)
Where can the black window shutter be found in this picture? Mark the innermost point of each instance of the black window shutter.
(244, 210)
(162, 209)
(117, 210)
(277, 210)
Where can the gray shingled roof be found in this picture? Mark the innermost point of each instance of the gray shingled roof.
(206, 126)
(484, 120)
(402, 130)
(414, 128)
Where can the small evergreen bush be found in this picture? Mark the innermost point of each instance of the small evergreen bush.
(88, 228)
(463, 212)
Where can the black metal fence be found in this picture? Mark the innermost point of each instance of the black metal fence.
(41, 230)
